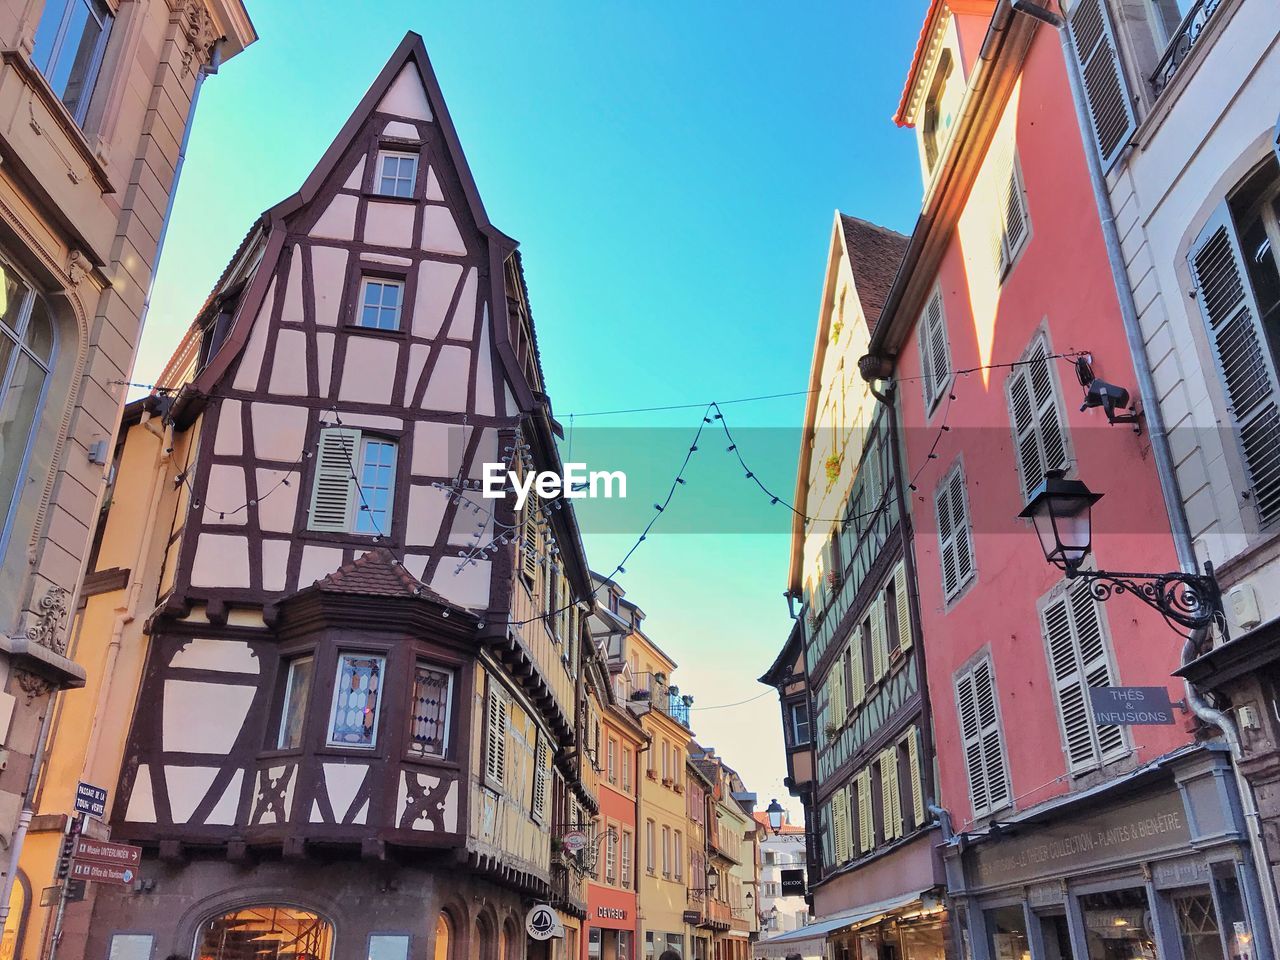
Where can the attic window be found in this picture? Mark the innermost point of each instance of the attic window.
(397, 173)
(936, 124)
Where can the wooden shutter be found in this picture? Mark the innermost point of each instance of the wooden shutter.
(840, 824)
(1110, 111)
(983, 743)
(917, 776)
(1010, 228)
(1245, 366)
(955, 549)
(866, 824)
(888, 792)
(857, 670)
(902, 605)
(1038, 424)
(529, 540)
(837, 707)
(935, 354)
(495, 749)
(333, 492)
(541, 771)
(879, 639)
(1078, 660)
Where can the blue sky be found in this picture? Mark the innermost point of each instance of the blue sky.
(671, 173)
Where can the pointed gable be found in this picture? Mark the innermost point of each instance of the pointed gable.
(874, 253)
(407, 96)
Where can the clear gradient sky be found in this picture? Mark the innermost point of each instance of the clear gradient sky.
(671, 172)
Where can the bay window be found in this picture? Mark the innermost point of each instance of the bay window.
(357, 697)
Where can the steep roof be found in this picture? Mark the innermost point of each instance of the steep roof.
(874, 254)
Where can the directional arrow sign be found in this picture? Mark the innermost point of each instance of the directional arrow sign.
(103, 872)
(104, 851)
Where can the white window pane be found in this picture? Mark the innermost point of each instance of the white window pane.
(357, 695)
(377, 477)
(388, 946)
(130, 946)
(297, 692)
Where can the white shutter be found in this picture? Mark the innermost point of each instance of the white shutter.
(1078, 661)
(902, 605)
(1010, 225)
(837, 707)
(935, 353)
(1245, 365)
(917, 780)
(1039, 426)
(857, 670)
(866, 825)
(955, 548)
(888, 792)
(879, 639)
(983, 742)
(333, 492)
(1110, 111)
(495, 751)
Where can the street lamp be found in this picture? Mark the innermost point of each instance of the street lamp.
(1062, 512)
(712, 879)
(776, 815)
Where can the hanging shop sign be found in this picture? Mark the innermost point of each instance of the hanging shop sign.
(541, 922)
(574, 841)
(1131, 706)
(792, 883)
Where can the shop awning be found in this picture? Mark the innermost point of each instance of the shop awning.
(820, 929)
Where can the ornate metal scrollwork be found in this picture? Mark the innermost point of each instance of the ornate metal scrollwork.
(1189, 31)
(1188, 600)
(47, 630)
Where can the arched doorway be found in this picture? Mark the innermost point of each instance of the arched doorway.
(444, 937)
(266, 932)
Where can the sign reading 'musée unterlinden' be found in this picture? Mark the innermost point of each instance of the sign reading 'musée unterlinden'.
(1121, 834)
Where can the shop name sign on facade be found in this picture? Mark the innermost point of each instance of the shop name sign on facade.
(1131, 706)
(611, 913)
(1145, 828)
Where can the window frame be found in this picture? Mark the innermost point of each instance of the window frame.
(447, 735)
(381, 657)
(387, 151)
(354, 464)
(932, 385)
(382, 280)
(1023, 371)
(967, 674)
(949, 543)
(1011, 184)
(105, 17)
(290, 663)
(793, 725)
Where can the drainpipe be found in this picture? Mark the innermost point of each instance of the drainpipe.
(1159, 443)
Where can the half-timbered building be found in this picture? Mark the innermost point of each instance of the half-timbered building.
(357, 719)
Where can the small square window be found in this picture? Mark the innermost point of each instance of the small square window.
(297, 691)
(357, 695)
(397, 174)
(380, 304)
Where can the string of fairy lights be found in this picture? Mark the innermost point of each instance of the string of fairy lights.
(459, 490)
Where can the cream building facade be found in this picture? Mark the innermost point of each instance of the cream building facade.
(96, 99)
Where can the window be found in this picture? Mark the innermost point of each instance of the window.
(388, 946)
(910, 744)
(890, 794)
(224, 937)
(955, 545)
(429, 710)
(840, 826)
(541, 778)
(799, 723)
(982, 739)
(866, 825)
(611, 764)
(649, 857)
(380, 304)
(666, 851)
(1165, 16)
(397, 173)
(1010, 227)
(626, 769)
(1235, 263)
(357, 695)
(611, 856)
(937, 125)
(1079, 660)
(678, 855)
(70, 39)
(1110, 109)
(338, 502)
(935, 351)
(666, 761)
(297, 690)
(626, 859)
(900, 607)
(26, 356)
(444, 933)
(495, 743)
(1039, 424)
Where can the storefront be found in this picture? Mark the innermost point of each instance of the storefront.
(611, 933)
(910, 927)
(1151, 867)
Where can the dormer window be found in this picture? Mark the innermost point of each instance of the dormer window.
(937, 113)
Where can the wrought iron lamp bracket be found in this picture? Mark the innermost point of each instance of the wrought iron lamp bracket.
(1189, 600)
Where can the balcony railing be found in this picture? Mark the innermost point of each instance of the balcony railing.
(652, 689)
(1188, 33)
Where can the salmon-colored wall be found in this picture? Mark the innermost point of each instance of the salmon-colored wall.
(1062, 279)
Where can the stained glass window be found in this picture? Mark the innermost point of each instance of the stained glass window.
(429, 711)
(356, 696)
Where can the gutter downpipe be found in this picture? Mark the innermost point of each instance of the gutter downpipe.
(1165, 471)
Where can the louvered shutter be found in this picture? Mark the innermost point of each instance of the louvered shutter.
(1010, 224)
(917, 778)
(1240, 347)
(955, 549)
(541, 756)
(1038, 423)
(839, 814)
(980, 732)
(857, 669)
(902, 604)
(333, 492)
(1110, 110)
(1078, 660)
(866, 824)
(879, 638)
(946, 541)
(837, 707)
(890, 797)
(935, 359)
(529, 545)
(495, 751)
